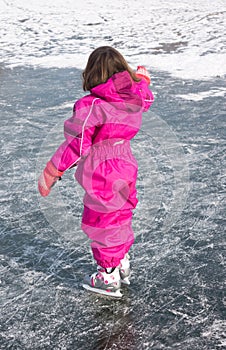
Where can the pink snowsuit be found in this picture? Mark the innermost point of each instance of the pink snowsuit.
(98, 140)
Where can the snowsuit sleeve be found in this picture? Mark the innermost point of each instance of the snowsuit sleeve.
(146, 95)
(78, 132)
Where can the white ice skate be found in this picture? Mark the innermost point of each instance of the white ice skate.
(124, 270)
(104, 281)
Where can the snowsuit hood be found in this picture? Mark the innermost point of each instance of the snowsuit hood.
(119, 90)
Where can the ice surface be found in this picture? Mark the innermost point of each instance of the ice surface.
(176, 298)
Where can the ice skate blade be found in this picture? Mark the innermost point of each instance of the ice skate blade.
(116, 294)
(126, 281)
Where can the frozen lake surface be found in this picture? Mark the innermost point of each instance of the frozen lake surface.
(176, 299)
(177, 296)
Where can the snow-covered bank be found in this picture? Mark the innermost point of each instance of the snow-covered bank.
(185, 38)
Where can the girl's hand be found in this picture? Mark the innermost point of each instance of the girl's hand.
(48, 178)
(143, 73)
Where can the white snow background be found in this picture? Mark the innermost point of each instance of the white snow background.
(185, 38)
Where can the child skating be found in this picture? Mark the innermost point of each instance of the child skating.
(97, 141)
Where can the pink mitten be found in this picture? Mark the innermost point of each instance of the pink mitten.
(48, 178)
(143, 73)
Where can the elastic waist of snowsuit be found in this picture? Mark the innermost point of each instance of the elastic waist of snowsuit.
(111, 148)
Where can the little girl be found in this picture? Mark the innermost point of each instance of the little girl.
(97, 140)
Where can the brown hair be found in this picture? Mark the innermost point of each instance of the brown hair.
(102, 64)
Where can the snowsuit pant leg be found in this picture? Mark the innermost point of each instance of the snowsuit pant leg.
(110, 185)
